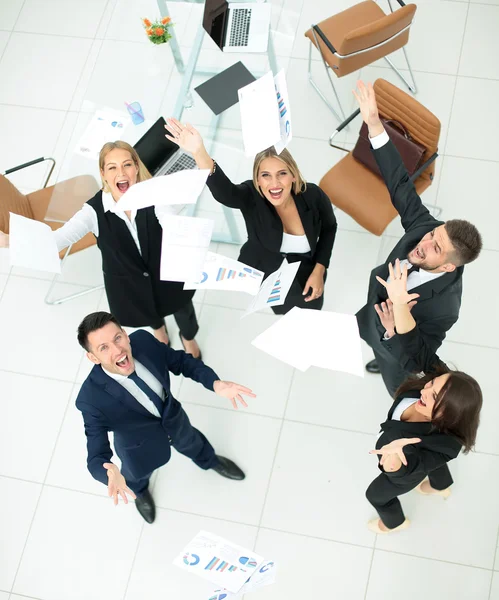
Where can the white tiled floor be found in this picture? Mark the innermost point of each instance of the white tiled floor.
(304, 441)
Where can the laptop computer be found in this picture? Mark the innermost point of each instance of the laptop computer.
(160, 156)
(238, 27)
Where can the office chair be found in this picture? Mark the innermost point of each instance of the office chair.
(359, 192)
(357, 37)
(53, 205)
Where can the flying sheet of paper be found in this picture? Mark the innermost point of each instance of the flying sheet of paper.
(327, 340)
(337, 344)
(275, 288)
(284, 112)
(223, 273)
(216, 559)
(264, 575)
(182, 187)
(184, 247)
(32, 245)
(105, 126)
(286, 340)
(259, 115)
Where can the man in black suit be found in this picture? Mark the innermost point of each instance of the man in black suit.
(128, 392)
(434, 252)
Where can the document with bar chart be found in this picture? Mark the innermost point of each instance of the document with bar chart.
(275, 288)
(223, 273)
(216, 559)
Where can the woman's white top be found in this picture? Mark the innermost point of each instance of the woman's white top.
(397, 413)
(85, 221)
(294, 244)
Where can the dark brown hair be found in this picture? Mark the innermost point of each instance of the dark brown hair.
(465, 239)
(457, 407)
(93, 322)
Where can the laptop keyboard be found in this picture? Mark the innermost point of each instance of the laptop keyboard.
(181, 164)
(239, 32)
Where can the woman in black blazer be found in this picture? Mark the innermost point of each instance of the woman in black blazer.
(285, 217)
(432, 419)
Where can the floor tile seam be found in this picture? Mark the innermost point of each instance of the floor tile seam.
(271, 472)
(53, 34)
(368, 579)
(102, 18)
(240, 412)
(3, 370)
(10, 105)
(6, 44)
(48, 281)
(493, 566)
(133, 560)
(77, 84)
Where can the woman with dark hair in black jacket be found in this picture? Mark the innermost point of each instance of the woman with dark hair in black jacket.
(434, 416)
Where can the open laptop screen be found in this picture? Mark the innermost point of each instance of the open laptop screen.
(215, 17)
(153, 148)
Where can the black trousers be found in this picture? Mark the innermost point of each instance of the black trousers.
(186, 320)
(187, 440)
(391, 371)
(384, 491)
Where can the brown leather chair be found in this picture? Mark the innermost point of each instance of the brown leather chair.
(357, 37)
(52, 205)
(359, 192)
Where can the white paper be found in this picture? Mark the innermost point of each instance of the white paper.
(275, 288)
(223, 273)
(216, 559)
(286, 340)
(284, 112)
(337, 345)
(264, 575)
(259, 115)
(305, 337)
(105, 126)
(32, 245)
(184, 247)
(182, 187)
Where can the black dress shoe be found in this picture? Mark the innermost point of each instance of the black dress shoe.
(226, 468)
(372, 367)
(145, 506)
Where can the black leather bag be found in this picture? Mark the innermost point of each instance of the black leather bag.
(412, 152)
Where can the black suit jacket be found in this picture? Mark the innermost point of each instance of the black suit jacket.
(434, 450)
(438, 306)
(265, 230)
(141, 439)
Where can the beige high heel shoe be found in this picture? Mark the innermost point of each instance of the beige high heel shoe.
(375, 528)
(444, 493)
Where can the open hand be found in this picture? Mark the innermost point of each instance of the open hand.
(188, 138)
(387, 316)
(232, 391)
(366, 99)
(395, 449)
(116, 484)
(397, 287)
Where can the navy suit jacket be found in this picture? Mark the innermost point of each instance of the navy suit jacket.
(141, 440)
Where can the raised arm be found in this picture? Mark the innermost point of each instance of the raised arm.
(83, 222)
(402, 191)
(222, 188)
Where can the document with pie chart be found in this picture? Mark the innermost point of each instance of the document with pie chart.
(218, 560)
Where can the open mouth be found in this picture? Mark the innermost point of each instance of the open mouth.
(123, 363)
(418, 253)
(276, 193)
(421, 402)
(122, 186)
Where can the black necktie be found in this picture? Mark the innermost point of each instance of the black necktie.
(151, 394)
(412, 268)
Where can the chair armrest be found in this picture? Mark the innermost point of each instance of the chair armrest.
(323, 37)
(340, 127)
(30, 164)
(401, 2)
(423, 167)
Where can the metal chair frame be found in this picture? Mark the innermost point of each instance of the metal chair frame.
(315, 29)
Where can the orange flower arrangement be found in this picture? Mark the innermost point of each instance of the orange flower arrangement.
(158, 31)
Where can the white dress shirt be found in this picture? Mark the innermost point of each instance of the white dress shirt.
(137, 393)
(85, 221)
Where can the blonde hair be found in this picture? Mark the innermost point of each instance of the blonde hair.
(299, 185)
(108, 147)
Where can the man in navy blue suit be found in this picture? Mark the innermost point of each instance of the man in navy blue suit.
(128, 392)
